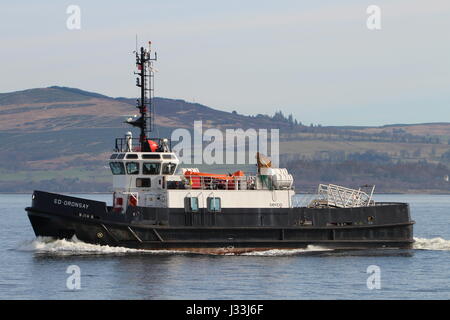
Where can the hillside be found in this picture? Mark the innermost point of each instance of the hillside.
(58, 138)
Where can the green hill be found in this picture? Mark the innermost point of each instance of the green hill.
(58, 139)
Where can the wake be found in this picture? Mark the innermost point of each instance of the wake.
(438, 244)
(286, 252)
(75, 246)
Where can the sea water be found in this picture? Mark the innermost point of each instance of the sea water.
(42, 268)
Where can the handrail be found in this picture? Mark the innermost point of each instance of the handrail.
(221, 183)
(121, 144)
(342, 197)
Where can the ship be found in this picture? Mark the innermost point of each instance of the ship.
(158, 205)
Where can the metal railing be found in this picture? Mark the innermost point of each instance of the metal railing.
(337, 196)
(214, 183)
(134, 144)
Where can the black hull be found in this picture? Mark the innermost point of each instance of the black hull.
(233, 230)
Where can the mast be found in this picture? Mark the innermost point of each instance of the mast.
(144, 64)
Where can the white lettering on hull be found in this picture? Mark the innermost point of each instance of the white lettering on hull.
(72, 204)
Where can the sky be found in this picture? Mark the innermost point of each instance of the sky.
(315, 59)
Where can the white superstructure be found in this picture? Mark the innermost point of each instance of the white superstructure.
(151, 179)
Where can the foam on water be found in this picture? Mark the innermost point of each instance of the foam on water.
(78, 247)
(75, 246)
(431, 244)
(286, 252)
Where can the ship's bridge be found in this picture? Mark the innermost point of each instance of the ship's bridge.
(142, 169)
(143, 163)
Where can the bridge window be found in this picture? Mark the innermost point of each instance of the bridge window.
(151, 156)
(113, 156)
(168, 168)
(151, 168)
(168, 156)
(132, 167)
(132, 156)
(143, 183)
(214, 204)
(117, 168)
